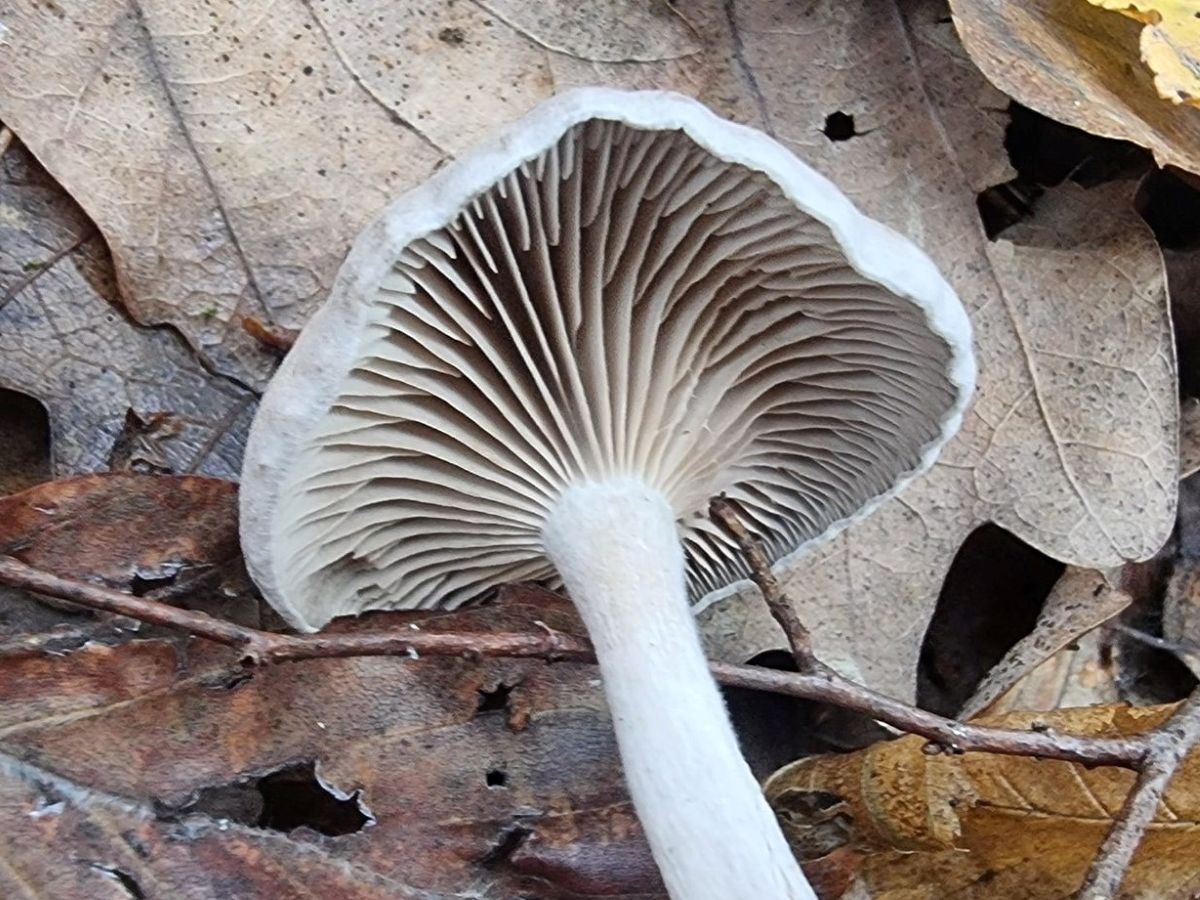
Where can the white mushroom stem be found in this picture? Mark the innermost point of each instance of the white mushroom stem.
(714, 837)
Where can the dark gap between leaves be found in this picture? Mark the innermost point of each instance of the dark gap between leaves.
(289, 798)
(774, 730)
(1161, 587)
(1170, 204)
(25, 449)
(1046, 153)
(991, 598)
(143, 583)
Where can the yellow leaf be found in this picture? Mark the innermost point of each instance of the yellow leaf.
(985, 825)
(1080, 65)
(1170, 43)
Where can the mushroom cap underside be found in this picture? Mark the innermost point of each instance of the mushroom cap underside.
(621, 285)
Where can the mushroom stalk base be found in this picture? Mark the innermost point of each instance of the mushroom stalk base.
(617, 548)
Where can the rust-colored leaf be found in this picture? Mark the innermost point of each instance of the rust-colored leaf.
(170, 537)
(70, 842)
(121, 527)
(497, 774)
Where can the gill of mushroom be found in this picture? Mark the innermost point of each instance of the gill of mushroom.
(547, 359)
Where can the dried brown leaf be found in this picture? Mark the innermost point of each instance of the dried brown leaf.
(494, 776)
(70, 842)
(121, 528)
(171, 537)
(1029, 827)
(242, 150)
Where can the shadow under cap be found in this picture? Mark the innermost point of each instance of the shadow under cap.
(622, 285)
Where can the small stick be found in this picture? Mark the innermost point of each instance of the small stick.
(1168, 745)
(799, 639)
(263, 647)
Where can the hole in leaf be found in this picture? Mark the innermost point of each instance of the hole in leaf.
(839, 126)
(496, 778)
(496, 699)
(25, 447)
(774, 730)
(289, 798)
(1004, 205)
(990, 599)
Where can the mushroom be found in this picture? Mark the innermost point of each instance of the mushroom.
(548, 358)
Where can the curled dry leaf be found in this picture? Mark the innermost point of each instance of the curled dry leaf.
(495, 776)
(1086, 672)
(139, 446)
(285, 133)
(1080, 65)
(1170, 44)
(1030, 828)
(279, 339)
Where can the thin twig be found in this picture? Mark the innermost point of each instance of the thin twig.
(799, 640)
(261, 647)
(1169, 744)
